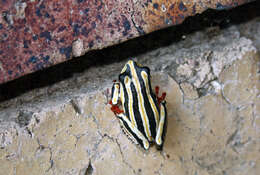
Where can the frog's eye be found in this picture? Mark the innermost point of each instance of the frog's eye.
(139, 65)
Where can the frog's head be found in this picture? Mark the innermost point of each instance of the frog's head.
(130, 63)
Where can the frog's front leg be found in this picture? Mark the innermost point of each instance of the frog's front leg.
(115, 98)
(133, 131)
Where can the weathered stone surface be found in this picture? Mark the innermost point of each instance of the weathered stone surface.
(37, 34)
(189, 91)
(241, 77)
(208, 136)
(212, 128)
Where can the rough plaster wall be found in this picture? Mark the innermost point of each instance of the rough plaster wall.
(212, 86)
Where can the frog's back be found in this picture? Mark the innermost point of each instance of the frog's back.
(138, 100)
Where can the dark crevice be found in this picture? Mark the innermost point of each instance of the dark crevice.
(76, 106)
(128, 49)
(231, 137)
(89, 170)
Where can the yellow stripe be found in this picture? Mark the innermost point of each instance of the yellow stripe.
(140, 99)
(124, 69)
(130, 100)
(136, 131)
(158, 139)
(115, 94)
(151, 101)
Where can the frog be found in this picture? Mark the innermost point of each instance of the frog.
(141, 111)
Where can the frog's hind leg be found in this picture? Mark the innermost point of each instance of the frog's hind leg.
(161, 131)
(162, 97)
(133, 131)
(160, 134)
(115, 92)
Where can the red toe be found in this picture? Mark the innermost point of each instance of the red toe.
(162, 97)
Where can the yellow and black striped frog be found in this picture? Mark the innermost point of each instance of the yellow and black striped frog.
(142, 113)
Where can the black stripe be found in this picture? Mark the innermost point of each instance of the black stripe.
(121, 78)
(126, 101)
(136, 111)
(132, 133)
(151, 90)
(137, 114)
(147, 105)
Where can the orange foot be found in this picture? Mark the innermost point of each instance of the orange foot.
(162, 97)
(115, 108)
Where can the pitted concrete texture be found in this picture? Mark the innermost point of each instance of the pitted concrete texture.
(213, 107)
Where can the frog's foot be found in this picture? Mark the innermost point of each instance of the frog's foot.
(161, 98)
(115, 108)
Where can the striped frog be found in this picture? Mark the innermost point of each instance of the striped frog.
(144, 116)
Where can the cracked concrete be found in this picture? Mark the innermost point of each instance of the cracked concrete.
(212, 86)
